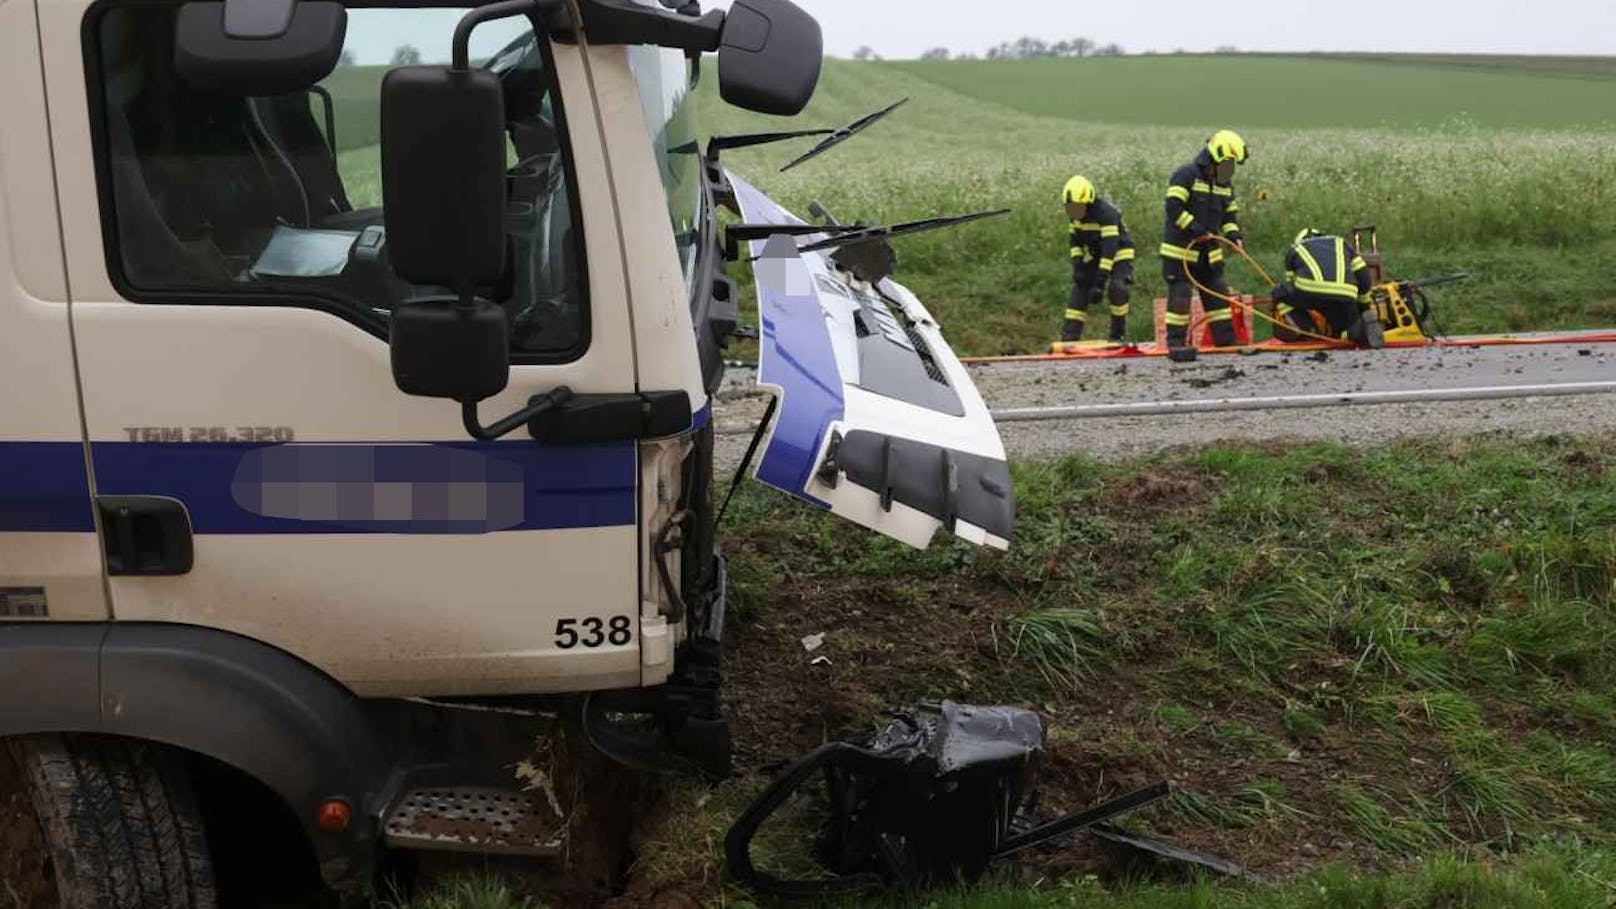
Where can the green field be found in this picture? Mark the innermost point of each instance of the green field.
(355, 94)
(1280, 92)
(1553, 65)
(1526, 209)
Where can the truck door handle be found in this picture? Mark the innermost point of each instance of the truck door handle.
(145, 536)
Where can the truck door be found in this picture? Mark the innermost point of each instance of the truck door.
(50, 561)
(260, 471)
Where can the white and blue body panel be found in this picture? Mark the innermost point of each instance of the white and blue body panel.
(854, 365)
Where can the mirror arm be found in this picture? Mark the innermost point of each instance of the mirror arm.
(626, 22)
(502, 10)
(543, 404)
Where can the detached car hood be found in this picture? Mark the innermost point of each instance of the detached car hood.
(875, 418)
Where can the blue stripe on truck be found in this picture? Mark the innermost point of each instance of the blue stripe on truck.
(405, 488)
(43, 488)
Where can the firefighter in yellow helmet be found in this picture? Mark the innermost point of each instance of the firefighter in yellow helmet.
(1201, 201)
(1102, 260)
(1325, 275)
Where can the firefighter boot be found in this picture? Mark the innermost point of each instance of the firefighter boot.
(1119, 311)
(1285, 327)
(1223, 334)
(1367, 332)
(1072, 330)
(1219, 313)
(1178, 315)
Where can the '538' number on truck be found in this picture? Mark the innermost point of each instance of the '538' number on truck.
(594, 632)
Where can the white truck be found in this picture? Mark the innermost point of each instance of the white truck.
(268, 268)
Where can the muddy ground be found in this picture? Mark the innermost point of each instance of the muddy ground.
(885, 646)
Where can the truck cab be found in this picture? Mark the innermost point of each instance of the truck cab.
(271, 275)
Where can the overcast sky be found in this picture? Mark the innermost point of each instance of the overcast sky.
(905, 28)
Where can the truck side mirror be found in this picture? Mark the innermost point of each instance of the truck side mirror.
(450, 350)
(769, 51)
(258, 47)
(443, 192)
(769, 57)
(443, 175)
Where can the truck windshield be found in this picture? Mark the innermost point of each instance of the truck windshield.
(663, 77)
(223, 199)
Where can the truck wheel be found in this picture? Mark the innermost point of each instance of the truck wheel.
(120, 821)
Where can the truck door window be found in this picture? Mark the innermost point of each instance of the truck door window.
(210, 198)
(663, 78)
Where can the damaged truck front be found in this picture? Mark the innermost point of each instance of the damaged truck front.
(230, 549)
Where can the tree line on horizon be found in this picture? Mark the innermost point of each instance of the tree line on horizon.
(1030, 48)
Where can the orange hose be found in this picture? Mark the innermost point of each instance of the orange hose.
(1241, 305)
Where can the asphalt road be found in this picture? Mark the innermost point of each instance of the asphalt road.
(1081, 382)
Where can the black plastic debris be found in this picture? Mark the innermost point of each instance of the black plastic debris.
(1186, 860)
(933, 798)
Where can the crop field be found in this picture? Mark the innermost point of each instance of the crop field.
(1522, 205)
(1284, 92)
(1554, 65)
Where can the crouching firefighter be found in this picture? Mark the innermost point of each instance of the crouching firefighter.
(1200, 204)
(1325, 281)
(1102, 260)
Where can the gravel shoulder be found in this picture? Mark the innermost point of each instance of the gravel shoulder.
(1065, 383)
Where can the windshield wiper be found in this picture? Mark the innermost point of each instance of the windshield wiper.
(718, 144)
(747, 232)
(736, 234)
(837, 137)
(869, 234)
(867, 251)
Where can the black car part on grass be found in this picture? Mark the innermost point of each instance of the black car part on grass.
(934, 798)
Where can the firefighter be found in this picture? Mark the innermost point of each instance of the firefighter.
(1102, 260)
(1201, 202)
(1325, 275)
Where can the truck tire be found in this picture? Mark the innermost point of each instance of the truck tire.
(120, 821)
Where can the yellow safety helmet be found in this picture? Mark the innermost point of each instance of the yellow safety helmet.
(1079, 191)
(1226, 145)
(1306, 234)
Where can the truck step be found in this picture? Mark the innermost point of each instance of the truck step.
(475, 819)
